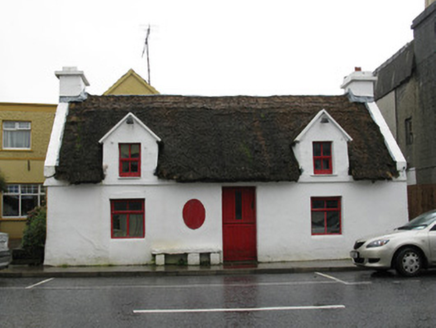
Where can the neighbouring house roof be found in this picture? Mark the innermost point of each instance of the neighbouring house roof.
(394, 71)
(220, 139)
(131, 83)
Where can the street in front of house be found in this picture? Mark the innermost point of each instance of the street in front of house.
(339, 299)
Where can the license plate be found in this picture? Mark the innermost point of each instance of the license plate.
(354, 254)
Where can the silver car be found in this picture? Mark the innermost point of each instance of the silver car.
(407, 249)
(5, 254)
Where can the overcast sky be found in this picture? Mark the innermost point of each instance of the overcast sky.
(198, 47)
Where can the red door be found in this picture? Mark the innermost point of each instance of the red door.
(239, 224)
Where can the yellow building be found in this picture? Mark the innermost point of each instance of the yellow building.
(24, 139)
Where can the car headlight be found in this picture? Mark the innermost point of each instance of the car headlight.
(377, 243)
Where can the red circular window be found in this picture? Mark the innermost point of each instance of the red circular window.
(194, 214)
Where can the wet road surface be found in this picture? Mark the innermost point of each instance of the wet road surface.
(339, 299)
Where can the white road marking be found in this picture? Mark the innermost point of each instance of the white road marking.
(197, 285)
(341, 281)
(39, 283)
(331, 280)
(276, 308)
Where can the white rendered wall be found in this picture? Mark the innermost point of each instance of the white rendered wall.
(79, 229)
(284, 218)
(79, 223)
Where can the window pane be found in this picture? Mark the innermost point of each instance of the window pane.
(119, 225)
(120, 206)
(29, 189)
(325, 164)
(134, 167)
(16, 139)
(124, 151)
(326, 148)
(238, 205)
(125, 167)
(317, 204)
(317, 164)
(10, 205)
(28, 203)
(332, 204)
(316, 149)
(135, 206)
(317, 222)
(136, 225)
(9, 125)
(134, 151)
(333, 222)
(13, 189)
(24, 125)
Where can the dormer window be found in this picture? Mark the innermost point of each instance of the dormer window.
(130, 160)
(322, 158)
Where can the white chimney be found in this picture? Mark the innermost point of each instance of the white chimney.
(361, 84)
(72, 83)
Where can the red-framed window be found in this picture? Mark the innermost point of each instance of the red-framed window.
(322, 158)
(326, 215)
(127, 218)
(130, 160)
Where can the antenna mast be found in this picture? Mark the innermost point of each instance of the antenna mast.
(148, 56)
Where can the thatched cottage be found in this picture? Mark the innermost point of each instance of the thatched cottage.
(150, 179)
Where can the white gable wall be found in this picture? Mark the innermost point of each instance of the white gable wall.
(130, 133)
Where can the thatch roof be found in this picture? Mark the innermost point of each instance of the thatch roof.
(220, 139)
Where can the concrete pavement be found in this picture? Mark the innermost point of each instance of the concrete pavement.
(176, 270)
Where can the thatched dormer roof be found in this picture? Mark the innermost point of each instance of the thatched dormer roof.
(220, 139)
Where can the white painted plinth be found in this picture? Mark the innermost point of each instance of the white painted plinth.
(194, 259)
(160, 259)
(214, 258)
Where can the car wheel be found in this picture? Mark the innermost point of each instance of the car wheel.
(408, 262)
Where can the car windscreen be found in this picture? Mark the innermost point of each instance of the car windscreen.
(420, 222)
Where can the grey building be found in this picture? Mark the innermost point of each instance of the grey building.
(405, 92)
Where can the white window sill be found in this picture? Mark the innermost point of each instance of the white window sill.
(323, 175)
